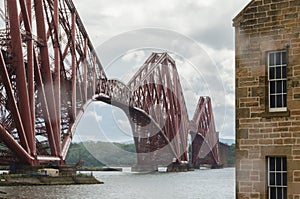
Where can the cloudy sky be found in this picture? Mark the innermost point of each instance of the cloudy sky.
(197, 33)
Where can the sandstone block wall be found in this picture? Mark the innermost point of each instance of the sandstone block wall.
(266, 25)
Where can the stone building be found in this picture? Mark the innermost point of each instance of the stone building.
(267, 47)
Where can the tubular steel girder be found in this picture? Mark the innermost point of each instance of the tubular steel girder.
(205, 139)
(48, 72)
(154, 103)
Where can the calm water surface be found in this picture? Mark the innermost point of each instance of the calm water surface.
(218, 184)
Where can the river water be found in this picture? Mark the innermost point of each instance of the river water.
(204, 183)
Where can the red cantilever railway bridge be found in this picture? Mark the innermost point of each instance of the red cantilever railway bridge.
(49, 73)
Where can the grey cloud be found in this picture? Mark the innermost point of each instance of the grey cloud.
(206, 22)
(218, 37)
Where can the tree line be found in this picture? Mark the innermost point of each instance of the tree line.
(97, 154)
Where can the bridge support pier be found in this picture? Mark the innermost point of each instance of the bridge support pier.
(202, 153)
(175, 167)
(147, 162)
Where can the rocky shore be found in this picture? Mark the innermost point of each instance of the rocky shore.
(25, 180)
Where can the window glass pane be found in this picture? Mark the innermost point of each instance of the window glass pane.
(283, 71)
(272, 163)
(283, 57)
(278, 58)
(278, 164)
(272, 179)
(284, 167)
(278, 72)
(278, 86)
(271, 59)
(272, 87)
(278, 179)
(279, 102)
(271, 73)
(272, 101)
(273, 192)
(284, 100)
(279, 193)
(284, 179)
(284, 86)
(284, 193)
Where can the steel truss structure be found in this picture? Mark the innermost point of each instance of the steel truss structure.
(154, 103)
(49, 73)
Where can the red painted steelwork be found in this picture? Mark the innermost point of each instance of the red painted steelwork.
(154, 103)
(21, 80)
(49, 71)
(203, 126)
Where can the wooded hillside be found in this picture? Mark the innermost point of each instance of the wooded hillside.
(113, 154)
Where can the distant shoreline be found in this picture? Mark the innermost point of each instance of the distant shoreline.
(99, 169)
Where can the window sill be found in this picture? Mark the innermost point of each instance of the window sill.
(272, 114)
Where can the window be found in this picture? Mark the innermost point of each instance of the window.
(277, 178)
(277, 80)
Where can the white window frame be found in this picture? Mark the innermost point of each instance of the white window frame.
(283, 108)
(277, 172)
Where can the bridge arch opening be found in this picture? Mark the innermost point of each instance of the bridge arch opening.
(161, 130)
(59, 86)
(105, 132)
(139, 43)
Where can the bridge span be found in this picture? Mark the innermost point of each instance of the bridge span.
(49, 72)
(155, 106)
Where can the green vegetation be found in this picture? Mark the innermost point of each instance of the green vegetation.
(99, 154)
(95, 154)
(77, 152)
